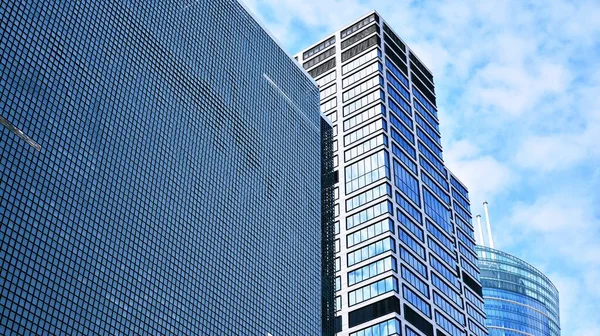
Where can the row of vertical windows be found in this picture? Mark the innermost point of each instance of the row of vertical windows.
(436, 189)
(474, 299)
(375, 289)
(357, 76)
(363, 116)
(463, 238)
(355, 27)
(373, 230)
(444, 271)
(372, 250)
(425, 103)
(394, 94)
(459, 187)
(396, 72)
(437, 249)
(328, 91)
(468, 254)
(318, 59)
(416, 301)
(434, 159)
(403, 143)
(338, 283)
(386, 328)
(428, 129)
(438, 283)
(373, 54)
(475, 314)
(364, 86)
(426, 115)
(365, 147)
(374, 28)
(412, 227)
(402, 109)
(374, 40)
(368, 214)
(433, 172)
(366, 171)
(413, 262)
(328, 105)
(396, 85)
(470, 269)
(410, 332)
(403, 129)
(477, 330)
(332, 116)
(448, 326)
(401, 113)
(432, 146)
(365, 131)
(409, 208)
(330, 41)
(433, 229)
(460, 199)
(463, 225)
(404, 158)
(448, 308)
(326, 79)
(466, 216)
(406, 182)
(437, 211)
(322, 68)
(412, 244)
(368, 196)
(372, 270)
(364, 101)
(415, 281)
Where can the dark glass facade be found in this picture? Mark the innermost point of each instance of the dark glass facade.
(172, 134)
(519, 299)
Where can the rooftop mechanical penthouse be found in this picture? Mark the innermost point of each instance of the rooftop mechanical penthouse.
(405, 249)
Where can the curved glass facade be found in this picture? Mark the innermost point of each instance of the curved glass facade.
(519, 299)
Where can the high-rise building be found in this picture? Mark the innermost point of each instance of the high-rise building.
(160, 173)
(405, 249)
(519, 299)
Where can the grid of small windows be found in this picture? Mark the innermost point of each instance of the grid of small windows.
(363, 87)
(374, 28)
(412, 227)
(407, 183)
(364, 131)
(367, 196)
(404, 158)
(363, 101)
(438, 283)
(415, 281)
(448, 326)
(369, 213)
(403, 143)
(373, 54)
(412, 244)
(320, 58)
(413, 262)
(448, 308)
(362, 23)
(137, 187)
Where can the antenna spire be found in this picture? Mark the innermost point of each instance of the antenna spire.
(480, 231)
(489, 226)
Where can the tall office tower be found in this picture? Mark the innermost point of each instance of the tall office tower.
(519, 299)
(160, 173)
(405, 251)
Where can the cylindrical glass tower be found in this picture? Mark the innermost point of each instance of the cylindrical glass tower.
(519, 299)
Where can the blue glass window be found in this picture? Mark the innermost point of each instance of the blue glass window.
(432, 158)
(425, 102)
(428, 181)
(416, 301)
(448, 326)
(367, 196)
(430, 131)
(448, 308)
(403, 143)
(412, 244)
(421, 110)
(444, 271)
(369, 251)
(408, 223)
(407, 183)
(404, 158)
(430, 144)
(372, 290)
(369, 213)
(460, 211)
(439, 235)
(408, 134)
(373, 230)
(459, 187)
(396, 72)
(438, 283)
(406, 206)
(386, 328)
(403, 113)
(396, 85)
(366, 171)
(372, 270)
(437, 211)
(415, 281)
(440, 252)
(439, 178)
(413, 262)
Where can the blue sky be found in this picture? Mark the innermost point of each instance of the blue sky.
(518, 86)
